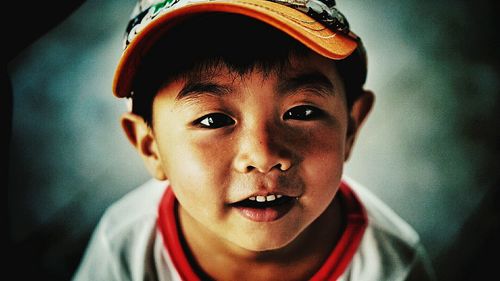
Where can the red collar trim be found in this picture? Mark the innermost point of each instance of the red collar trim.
(332, 269)
(341, 255)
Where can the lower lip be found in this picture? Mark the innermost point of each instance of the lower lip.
(266, 214)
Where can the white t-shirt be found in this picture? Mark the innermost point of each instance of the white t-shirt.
(136, 239)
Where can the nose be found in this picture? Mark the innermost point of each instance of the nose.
(263, 148)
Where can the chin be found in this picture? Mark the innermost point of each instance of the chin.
(266, 242)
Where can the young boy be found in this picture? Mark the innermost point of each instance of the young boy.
(244, 112)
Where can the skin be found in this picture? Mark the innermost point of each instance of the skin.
(222, 138)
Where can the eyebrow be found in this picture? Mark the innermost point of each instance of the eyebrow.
(193, 89)
(315, 81)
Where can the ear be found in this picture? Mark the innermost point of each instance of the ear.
(142, 138)
(359, 111)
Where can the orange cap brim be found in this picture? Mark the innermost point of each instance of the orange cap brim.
(297, 24)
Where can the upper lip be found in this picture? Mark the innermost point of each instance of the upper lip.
(265, 193)
(269, 184)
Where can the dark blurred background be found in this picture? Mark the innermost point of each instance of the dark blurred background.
(430, 148)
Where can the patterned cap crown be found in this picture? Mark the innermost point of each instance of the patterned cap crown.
(323, 11)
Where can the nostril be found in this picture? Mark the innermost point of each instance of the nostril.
(263, 163)
(279, 167)
(283, 166)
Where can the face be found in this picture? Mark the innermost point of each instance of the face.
(254, 159)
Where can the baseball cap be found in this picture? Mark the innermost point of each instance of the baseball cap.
(315, 23)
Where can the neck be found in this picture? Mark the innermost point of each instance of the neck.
(220, 259)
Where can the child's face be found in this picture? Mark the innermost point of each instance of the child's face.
(224, 138)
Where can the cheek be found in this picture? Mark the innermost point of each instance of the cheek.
(323, 147)
(322, 165)
(325, 154)
(203, 159)
(197, 172)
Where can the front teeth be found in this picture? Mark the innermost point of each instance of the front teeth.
(267, 198)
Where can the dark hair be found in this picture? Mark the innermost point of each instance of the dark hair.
(213, 40)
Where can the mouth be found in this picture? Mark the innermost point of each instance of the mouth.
(265, 208)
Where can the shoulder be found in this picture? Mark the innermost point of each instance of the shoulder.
(124, 237)
(381, 217)
(391, 249)
(139, 204)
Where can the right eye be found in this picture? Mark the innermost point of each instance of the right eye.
(214, 121)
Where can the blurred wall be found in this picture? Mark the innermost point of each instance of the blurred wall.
(429, 148)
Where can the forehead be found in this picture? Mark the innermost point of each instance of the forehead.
(311, 71)
(296, 65)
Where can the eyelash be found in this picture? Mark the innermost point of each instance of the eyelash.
(214, 121)
(304, 113)
(219, 120)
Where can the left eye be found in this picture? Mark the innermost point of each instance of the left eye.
(303, 112)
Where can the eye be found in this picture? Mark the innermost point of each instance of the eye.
(214, 121)
(303, 112)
